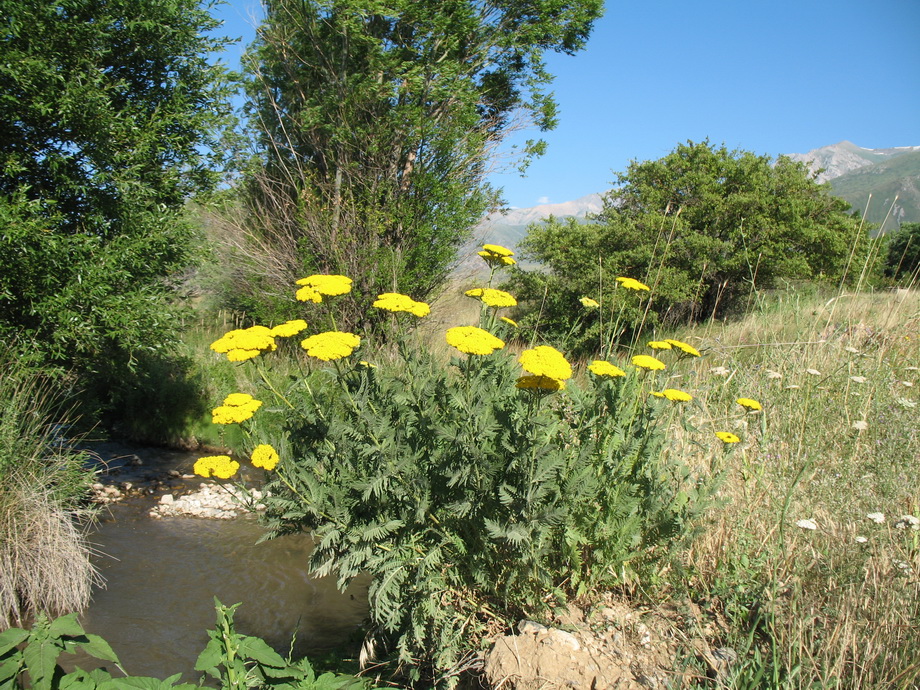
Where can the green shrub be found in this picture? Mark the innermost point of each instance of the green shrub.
(473, 496)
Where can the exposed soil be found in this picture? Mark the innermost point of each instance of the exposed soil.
(610, 646)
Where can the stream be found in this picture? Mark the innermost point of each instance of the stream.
(161, 577)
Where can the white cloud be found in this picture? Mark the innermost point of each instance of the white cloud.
(543, 200)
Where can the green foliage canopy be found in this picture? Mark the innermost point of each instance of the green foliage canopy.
(374, 124)
(107, 113)
(903, 258)
(703, 226)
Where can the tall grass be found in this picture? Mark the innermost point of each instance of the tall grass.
(838, 439)
(44, 558)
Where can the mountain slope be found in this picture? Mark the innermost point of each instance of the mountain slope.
(893, 183)
(846, 157)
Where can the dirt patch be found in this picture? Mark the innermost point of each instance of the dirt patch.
(612, 645)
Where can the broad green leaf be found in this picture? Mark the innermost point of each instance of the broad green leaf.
(66, 625)
(210, 657)
(97, 647)
(258, 650)
(11, 638)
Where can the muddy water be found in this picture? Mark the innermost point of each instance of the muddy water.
(162, 576)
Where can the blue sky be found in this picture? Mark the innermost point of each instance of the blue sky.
(780, 76)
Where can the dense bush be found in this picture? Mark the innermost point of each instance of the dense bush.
(704, 227)
(903, 257)
(473, 495)
(106, 113)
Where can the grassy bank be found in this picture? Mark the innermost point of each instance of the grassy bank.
(808, 569)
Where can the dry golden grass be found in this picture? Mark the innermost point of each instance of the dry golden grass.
(838, 438)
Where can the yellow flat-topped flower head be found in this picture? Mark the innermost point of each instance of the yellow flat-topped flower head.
(600, 367)
(289, 328)
(544, 360)
(236, 408)
(308, 294)
(327, 284)
(245, 343)
(331, 345)
(397, 302)
(492, 297)
(497, 260)
(749, 403)
(496, 255)
(220, 466)
(265, 456)
(689, 349)
(648, 362)
(727, 437)
(472, 340)
(673, 394)
(588, 303)
(632, 284)
(659, 344)
(543, 383)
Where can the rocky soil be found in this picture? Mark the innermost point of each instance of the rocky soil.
(612, 645)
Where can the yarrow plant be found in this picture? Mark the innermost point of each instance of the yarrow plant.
(475, 491)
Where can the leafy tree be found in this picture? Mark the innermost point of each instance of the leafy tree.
(107, 109)
(703, 227)
(375, 121)
(903, 258)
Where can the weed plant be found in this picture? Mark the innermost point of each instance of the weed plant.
(474, 493)
(44, 557)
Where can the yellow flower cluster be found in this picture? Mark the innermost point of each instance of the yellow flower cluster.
(331, 345)
(544, 360)
(689, 349)
(236, 408)
(289, 328)
(673, 394)
(632, 284)
(727, 437)
(749, 403)
(648, 362)
(245, 343)
(395, 302)
(496, 255)
(264, 456)
(492, 297)
(600, 367)
(508, 321)
(544, 383)
(220, 466)
(588, 303)
(659, 344)
(473, 341)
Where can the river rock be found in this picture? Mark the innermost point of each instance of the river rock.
(211, 501)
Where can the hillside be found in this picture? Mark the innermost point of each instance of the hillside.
(894, 178)
(855, 172)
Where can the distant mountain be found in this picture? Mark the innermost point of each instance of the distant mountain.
(891, 176)
(843, 158)
(509, 228)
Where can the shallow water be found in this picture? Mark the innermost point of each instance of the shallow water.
(162, 576)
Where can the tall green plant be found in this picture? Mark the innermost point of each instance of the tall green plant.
(473, 495)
